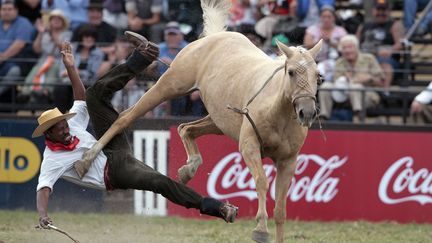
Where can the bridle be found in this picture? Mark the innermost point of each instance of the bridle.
(302, 83)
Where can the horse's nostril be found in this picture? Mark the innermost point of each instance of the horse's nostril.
(301, 115)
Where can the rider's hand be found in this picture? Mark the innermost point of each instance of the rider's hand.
(44, 222)
(66, 51)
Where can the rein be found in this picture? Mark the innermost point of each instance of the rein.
(245, 110)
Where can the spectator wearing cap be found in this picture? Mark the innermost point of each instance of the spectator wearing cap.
(173, 44)
(330, 33)
(357, 70)
(168, 50)
(47, 44)
(106, 33)
(382, 37)
(15, 32)
(75, 10)
(145, 17)
(410, 9)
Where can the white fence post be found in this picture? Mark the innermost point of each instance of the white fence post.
(149, 203)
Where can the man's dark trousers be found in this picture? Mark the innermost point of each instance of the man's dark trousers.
(126, 172)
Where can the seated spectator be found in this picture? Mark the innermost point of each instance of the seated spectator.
(117, 56)
(249, 32)
(274, 51)
(275, 13)
(131, 93)
(145, 17)
(15, 32)
(242, 13)
(88, 58)
(114, 13)
(308, 14)
(421, 108)
(357, 70)
(30, 9)
(168, 50)
(47, 44)
(331, 33)
(75, 10)
(382, 37)
(410, 9)
(189, 14)
(106, 34)
(173, 44)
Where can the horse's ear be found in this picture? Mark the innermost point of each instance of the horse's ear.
(316, 49)
(285, 49)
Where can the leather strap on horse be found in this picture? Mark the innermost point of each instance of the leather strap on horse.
(245, 110)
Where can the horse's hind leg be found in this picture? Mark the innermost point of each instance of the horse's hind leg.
(172, 84)
(188, 133)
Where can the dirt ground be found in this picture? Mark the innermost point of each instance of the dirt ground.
(19, 226)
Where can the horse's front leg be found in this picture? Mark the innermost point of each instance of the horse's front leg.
(188, 133)
(285, 172)
(250, 149)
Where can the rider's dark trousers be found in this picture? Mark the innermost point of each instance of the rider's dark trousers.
(124, 171)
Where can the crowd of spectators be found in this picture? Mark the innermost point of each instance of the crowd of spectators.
(354, 54)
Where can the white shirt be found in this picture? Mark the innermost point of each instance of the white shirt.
(56, 164)
(425, 97)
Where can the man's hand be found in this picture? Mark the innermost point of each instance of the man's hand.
(68, 58)
(416, 107)
(44, 222)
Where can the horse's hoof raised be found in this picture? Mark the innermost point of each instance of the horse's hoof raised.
(184, 174)
(260, 236)
(81, 168)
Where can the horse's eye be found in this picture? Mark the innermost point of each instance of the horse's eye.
(290, 72)
(320, 79)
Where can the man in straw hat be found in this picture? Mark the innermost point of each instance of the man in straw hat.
(115, 167)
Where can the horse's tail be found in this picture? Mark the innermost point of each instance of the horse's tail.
(215, 15)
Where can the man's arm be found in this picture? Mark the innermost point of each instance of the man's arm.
(69, 62)
(42, 198)
(13, 50)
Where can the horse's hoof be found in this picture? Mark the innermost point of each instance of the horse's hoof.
(260, 236)
(184, 174)
(81, 168)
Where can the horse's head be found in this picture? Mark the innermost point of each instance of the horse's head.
(301, 80)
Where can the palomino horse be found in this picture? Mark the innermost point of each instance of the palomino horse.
(229, 70)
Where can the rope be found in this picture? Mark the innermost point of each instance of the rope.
(245, 110)
(52, 227)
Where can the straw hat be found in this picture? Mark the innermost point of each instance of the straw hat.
(60, 14)
(48, 119)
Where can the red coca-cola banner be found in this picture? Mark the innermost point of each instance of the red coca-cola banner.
(353, 175)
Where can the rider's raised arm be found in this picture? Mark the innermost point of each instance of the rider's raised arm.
(69, 63)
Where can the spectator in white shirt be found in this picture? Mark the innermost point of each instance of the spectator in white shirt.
(421, 108)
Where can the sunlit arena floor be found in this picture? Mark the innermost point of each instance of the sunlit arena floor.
(19, 226)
